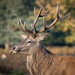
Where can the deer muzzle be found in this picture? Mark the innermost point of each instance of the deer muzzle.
(14, 50)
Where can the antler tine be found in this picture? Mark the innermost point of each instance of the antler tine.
(21, 28)
(37, 16)
(60, 18)
(65, 16)
(24, 26)
(21, 24)
(32, 28)
(27, 29)
(45, 14)
(57, 12)
(57, 18)
(35, 11)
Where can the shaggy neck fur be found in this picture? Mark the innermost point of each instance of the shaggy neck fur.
(38, 62)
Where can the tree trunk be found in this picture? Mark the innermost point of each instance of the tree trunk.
(7, 45)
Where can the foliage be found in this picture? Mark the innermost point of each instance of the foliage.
(12, 11)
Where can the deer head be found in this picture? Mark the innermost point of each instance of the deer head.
(32, 40)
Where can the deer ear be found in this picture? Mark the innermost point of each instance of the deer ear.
(42, 36)
(23, 36)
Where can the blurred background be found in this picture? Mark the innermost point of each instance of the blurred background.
(61, 38)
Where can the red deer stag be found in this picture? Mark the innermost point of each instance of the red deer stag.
(40, 61)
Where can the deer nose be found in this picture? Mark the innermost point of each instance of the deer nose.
(14, 48)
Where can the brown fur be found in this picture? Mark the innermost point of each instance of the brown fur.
(46, 63)
(40, 61)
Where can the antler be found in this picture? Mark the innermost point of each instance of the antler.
(57, 18)
(25, 29)
(36, 19)
(32, 25)
(37, 16)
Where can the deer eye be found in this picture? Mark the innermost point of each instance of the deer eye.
(29, 42)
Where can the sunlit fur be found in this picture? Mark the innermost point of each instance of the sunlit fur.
(40, 61)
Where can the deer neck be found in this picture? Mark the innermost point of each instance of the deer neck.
(39, 56)
(39, 49)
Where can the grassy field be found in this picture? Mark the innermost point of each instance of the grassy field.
(15, 64)
(66, 51)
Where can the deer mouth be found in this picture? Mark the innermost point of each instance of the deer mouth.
(13, 51)
(10, 51)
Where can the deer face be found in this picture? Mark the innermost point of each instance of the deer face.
(23, 46)
(28, 44)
